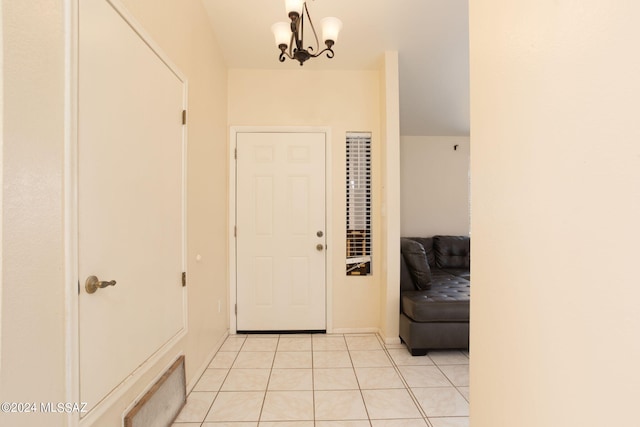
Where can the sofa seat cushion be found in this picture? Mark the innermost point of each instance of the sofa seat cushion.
(446, 301)
(460, 272)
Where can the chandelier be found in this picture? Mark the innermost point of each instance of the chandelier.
(290, 35)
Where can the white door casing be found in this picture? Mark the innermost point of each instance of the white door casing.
(130, 180)
(281, 231)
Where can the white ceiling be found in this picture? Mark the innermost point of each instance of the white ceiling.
(431, 37)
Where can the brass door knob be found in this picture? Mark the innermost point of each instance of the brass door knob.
(319, 246)
(93, 284)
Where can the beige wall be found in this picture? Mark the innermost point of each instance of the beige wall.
(343, 101)
(555, 161)
(434, 185)
(34, 285)
(390, 124)
(33, 300)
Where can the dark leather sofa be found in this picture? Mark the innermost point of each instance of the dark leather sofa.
(435, 288)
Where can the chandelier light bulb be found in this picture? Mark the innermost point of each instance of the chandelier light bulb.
(294, 6)
(330, 29)
(282, 33)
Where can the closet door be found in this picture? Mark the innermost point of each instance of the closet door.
(130, 200)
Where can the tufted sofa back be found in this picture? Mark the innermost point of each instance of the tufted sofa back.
(452, 251)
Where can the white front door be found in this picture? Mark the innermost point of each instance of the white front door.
(281, 232)
(130, 198)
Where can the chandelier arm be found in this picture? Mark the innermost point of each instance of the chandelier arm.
(290, 54)
(312, 29)
(330, 53)
(283, 56)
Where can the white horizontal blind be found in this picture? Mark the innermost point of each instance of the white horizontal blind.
(358, 203)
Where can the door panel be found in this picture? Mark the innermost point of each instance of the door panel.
(130, 200)
(280, 210)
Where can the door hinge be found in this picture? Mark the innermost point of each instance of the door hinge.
(78, 286)
(235, 153)
(184, 117)
(236, 309)
(235, 231)
(184, 279)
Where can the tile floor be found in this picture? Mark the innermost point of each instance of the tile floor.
(328, 381)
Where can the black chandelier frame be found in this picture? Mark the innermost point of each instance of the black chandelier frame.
(298, 52)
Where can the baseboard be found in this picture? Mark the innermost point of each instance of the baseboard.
(391, 340)
(207, 361)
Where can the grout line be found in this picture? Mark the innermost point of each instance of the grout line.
(384, 348)
(223, 381)
(404, 381)
(355, 374)
(264, 398)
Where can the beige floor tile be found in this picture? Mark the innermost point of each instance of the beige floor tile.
(457, 374)
(291, 379)
(423, 376)
(293, 360)
(254, 360)
(286, 424)
(334, 379)
(464, 391)
(353, 376)
(331, 359)
(295, 343)
(211, 380)
(449, 422)
(260, 344)
(328, 343)
(287, 406)
(417, 422)
(403, 357)
(442, 402)
(378, 378)
(339, 405)
(448, 357)
(223, 360)
(236, 406)
(369, 358)
(361, 423)
(390, 404)
(233, 343)
(198, 404)
(362, 342)
(246, 380)
(232, 424)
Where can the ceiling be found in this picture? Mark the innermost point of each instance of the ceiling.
(431, 37)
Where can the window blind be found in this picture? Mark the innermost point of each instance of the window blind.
(358, 203)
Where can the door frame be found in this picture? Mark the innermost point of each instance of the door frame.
(71, 224)
(233, 285)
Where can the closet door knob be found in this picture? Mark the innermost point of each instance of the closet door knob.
(93, 284)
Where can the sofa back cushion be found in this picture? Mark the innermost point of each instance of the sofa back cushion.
(427, 244)
(406, 281)
(452, 251)
(416, 259)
